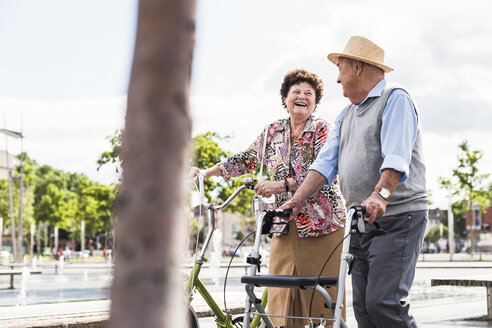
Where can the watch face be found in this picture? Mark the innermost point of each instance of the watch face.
(385, 193)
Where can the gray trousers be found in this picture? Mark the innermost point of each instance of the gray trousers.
(384, 269)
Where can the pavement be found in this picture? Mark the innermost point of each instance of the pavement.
(432, 307)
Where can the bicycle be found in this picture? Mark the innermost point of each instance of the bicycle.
(223, 319)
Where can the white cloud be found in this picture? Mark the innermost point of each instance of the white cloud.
(439, 51)
(69, 134)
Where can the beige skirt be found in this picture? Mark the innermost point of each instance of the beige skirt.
(291, 255)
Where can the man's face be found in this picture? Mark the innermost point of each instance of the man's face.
(347, 77)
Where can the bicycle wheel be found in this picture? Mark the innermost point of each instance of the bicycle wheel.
(191, 318)
(238, 322)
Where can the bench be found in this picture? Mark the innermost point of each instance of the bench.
(13, 273)
(469, 283)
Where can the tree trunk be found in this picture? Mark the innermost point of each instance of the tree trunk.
(147, 290)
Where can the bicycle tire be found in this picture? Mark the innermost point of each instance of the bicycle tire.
(237, 322)
(192, 318)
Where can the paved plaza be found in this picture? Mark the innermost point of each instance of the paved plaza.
(82, 290)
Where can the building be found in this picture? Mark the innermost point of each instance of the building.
(478, 227)
(435, 218)
(13, 162)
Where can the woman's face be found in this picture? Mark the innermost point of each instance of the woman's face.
(301, 101)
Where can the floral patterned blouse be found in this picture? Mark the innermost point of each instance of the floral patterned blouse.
(322, 213)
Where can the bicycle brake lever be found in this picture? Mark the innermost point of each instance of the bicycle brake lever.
(249, 182)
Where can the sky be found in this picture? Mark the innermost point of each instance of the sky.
(65, 65)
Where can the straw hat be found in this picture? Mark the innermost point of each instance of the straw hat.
(362, 49)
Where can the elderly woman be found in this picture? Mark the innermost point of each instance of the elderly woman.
(291, 146)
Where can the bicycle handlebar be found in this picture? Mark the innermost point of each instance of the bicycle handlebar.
(248, 183)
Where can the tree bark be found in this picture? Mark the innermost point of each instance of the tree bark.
(147, 290)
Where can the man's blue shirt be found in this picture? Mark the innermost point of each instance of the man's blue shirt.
(398, 135)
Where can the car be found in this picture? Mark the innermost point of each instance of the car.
(429, 249)
(231, 252)
(46, 251)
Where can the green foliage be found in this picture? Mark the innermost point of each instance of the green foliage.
(58, 198)
(459, 211)
(434, 234)
(4, 201)
(206, 152)
(239, 235)
(113, 155)
(468, 185)
(470, 181)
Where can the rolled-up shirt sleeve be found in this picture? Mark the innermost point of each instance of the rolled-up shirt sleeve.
(398, 133)
(326, 162)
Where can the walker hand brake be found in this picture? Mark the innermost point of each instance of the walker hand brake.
(268, 220)
(359, 222)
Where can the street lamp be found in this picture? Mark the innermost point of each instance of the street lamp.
(17, 135)
(475, 207)
(450, 225)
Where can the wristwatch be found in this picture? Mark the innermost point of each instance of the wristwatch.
(384, 193)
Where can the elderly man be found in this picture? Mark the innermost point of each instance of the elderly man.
(376, 150)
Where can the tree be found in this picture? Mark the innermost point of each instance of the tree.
(467, 183)
(96, 208)
(434, 234)
(113, 155)
(27, 208)
(146, 283)
(206, 152)
(50, 195)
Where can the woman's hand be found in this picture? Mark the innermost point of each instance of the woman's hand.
(268, 188)
(210, 172)
(193, 172)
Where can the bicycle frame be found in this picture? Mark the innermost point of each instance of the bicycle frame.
(223, 319)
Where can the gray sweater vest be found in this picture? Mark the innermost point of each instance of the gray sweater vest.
(360, 158)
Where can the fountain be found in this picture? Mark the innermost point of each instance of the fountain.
(22, 297)
(216, 256)
(109, 263)
(61, 265)
(34, 263)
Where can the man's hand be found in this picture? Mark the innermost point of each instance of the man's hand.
(268, 188)
(375, 207)
(376, 204)
(314, 182)
(294, 204)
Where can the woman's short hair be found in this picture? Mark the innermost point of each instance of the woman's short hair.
(301, 75)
